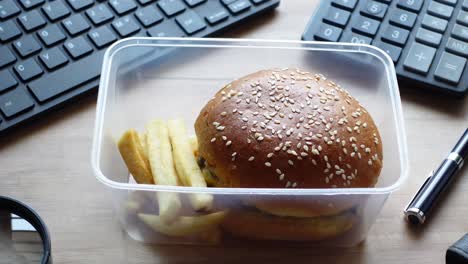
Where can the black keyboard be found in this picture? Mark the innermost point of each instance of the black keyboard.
(52, 51)
(427, 40)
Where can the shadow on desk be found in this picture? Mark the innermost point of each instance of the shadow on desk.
(141, 253)
(433, 100)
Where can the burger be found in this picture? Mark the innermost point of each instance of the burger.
(288, 128)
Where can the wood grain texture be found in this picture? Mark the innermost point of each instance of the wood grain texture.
(47, 165)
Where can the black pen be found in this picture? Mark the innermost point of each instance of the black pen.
(417, 210)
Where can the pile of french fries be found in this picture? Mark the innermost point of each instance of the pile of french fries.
(165, 155)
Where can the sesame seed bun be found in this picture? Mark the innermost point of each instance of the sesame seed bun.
(289, 129)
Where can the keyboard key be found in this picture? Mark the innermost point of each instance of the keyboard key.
(428, 37)
(31, 20)
(125, 26)
(78, 5)
(259, 1)
(402, 18)
(55, 10)
(459, 32)
(53, 58)
(190, 22)
(77, 47)
(393, 51)
(51, 35)
(374, 9)
(395, 35)
(65, 79)
(7, 81)
(462, 18)
(165, 29)
(171, 7)
(337, 17)
(15, 102)
(193, 3)
(457, 46)
(31, 3)
(122, 6)
(448, 2)
(366, 26)
(6, 56)
(346, 4)
(216, 16)
(148, 16)
(440, 10)
(144, 2)
(419, 58)
(328, 33)
(227, 2)
(102, 36)
(28, 69)
(410, 5)
(75, 25)
(8, 31)
(434, 23)
(8, 8)
(239, 6)
(99, 14)
(355, 38)
(26, 46)
(450, 68)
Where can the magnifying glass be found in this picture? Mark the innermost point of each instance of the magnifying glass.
(24, 238)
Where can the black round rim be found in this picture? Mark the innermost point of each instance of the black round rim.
(28, 214)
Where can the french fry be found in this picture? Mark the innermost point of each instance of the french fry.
(162, 167)
(194, 144)
(186, 165)
(184, 225)
(134, 156)
(142, 137)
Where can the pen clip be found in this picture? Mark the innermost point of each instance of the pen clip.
(420, 189)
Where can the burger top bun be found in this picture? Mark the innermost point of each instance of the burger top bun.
(288, 129)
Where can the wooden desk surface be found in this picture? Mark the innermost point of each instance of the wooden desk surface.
(47, 165)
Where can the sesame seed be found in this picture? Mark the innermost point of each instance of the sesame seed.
(368, 150)
(228, 143)
(344, 177)
(260, 138)
(223, 113)
(305, 147)
(268, 164)
(216, 124)
(234, 154)
(328, 165)
(278, 171)
(369, 162)
(281, 177)
(319, 148)
(327, 180)
(349, 129)
(364, 125)
(224, 138)
(314, 162)
(243, 127)
(270, 155)
(249, 141)
(359, 155)
(315, 151)
(220, 128)
(303, 154)
(290, 162)
(288, 184)
(345, 151)
(294, 184)
(251, 158)
(245, 119)
(234, 111)
(353, 154)
(213, 140)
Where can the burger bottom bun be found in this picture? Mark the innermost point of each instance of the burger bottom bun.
(302, 206)
(255, 225)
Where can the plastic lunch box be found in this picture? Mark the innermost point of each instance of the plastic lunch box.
(168, 78)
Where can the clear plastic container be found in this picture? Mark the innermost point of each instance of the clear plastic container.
(148, 78)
